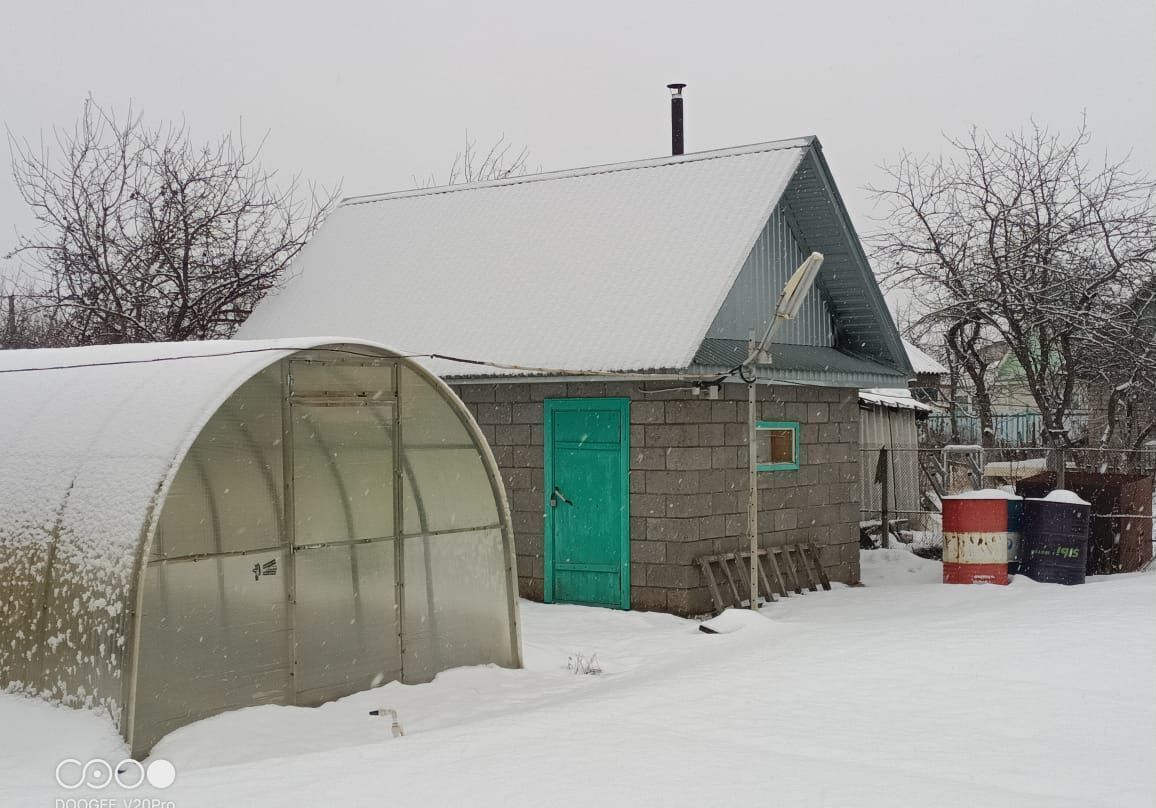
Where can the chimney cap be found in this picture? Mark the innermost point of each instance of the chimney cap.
(675, 89)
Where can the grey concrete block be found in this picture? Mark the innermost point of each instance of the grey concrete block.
(647, 458)
(688, 412)
(736, 434)
(685, 505)
(689, 602)
(647, 598)
(637, 436)
(504, 455)
(476, 392)
(512, 435)
(621, 390)
(712, 434)
(647, 412)
(527, 457)
(671, 482)
(672, 435)
(678, 458)
(663, 529)
(670, 576)
(829, 433)
(729, 502)
(539, 391)
(724, 457)
(712, 527)
(722, 411)
(686, 552)
(648, 552)
(585, 390)
(526, 413)
(711, 481)
(786, 519)
(512, 391)
(493, 413)
(648, 505)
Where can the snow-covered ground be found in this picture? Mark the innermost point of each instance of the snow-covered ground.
(905, 692)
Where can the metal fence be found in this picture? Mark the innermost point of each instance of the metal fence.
(1008, 429)
(904, 487)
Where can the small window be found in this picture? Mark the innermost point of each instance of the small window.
(777, 446)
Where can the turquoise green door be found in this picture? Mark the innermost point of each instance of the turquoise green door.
(587, 536)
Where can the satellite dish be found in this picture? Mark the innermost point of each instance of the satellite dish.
(790, 301)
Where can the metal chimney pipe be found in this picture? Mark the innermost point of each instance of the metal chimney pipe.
(676, 138)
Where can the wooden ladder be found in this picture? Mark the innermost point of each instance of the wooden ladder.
(781, 569)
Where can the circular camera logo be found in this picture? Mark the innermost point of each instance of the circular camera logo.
(128, 774)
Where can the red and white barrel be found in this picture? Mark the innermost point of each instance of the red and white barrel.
(975, 537)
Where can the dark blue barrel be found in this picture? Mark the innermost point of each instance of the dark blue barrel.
(1015, 540)
(1055, 535)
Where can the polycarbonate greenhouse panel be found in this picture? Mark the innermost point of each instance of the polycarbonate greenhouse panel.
(214, 636)
(445, 482)
(228, 494)
(347, 631)
(343, 480)
(153, 575)
(454, 614)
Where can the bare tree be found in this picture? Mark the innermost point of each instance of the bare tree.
(142, 235)
(501, 160)
(1119, 364)
(1019, 241)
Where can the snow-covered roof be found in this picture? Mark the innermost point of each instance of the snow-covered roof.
(922, 362)
(613, 268)
(897, 398)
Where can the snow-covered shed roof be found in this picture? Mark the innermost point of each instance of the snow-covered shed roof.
(613, 268)
(921, 361)
(898, 398)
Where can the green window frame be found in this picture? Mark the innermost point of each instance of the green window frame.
(780, 426)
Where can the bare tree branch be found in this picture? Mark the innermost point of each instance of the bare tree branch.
(1019, 246)
(143, 235)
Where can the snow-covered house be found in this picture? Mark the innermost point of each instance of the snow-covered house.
(188, 528)
(592, 320)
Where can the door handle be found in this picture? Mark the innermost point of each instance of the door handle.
(558, 495)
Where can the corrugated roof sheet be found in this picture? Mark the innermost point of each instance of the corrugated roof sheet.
(800, 364)
(618, 268)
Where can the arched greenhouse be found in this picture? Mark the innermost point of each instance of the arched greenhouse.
(188, 528)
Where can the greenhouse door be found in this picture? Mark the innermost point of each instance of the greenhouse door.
(346, 625)
(587, 531)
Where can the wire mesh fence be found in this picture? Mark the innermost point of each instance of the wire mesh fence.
(904, 489)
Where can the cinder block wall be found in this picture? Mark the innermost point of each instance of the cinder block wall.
(688, 478)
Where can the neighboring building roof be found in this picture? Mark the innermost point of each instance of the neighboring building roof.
(613, 268)
(922, 362)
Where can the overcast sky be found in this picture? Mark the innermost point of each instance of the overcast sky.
(372, 93)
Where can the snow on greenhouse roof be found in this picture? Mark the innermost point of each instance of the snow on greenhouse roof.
(90, 434)
(612, 268)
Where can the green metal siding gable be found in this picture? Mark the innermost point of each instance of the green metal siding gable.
(752, 300)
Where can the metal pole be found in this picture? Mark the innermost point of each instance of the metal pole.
(753, 479)
(885, 482)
